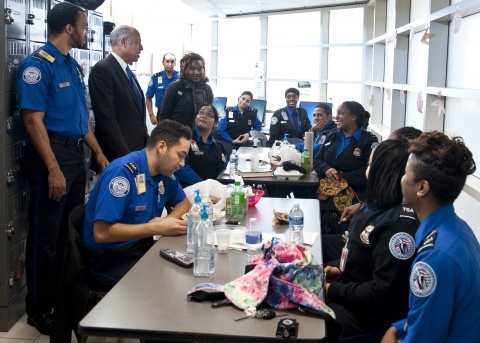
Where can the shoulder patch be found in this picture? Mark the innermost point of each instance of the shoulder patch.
(41, 55)
(132, 167)
(119, 187)
(407, 213)
(429, 241)
(150, 83)
(423, 280)
(274, 120)
(32, 75)
(402, 246)
(374, 145)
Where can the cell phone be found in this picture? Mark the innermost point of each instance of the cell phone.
(181, 259)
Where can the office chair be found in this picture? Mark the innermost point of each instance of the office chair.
(263, 137)
(74, 297)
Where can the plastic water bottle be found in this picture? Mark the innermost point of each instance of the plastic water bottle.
(233, 163)
(206, 200)
(237, 201)
(254, 240)
(295, 220)
(305, 160)
(254, 160)
(193, 218)
(204, 246)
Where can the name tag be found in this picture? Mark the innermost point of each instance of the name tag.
(198, 153)
(64, 84)
(140, 208)
(283, 122)
(231, 121)
(230, 114)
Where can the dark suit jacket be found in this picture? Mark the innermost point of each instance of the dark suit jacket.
(120, 126)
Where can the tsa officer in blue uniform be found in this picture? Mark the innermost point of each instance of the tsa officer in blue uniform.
(235, 126)
(207, 156)
(289, 120)
(158, 84)
(445, 277)
(322, 125)
(53, 105)
(125, 206)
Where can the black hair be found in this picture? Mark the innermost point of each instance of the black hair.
(214, 110)
(62, 15)
(389, 159)
(187, 61)
(292, 90)
(443, 162)
(406, 133)
(327, 109)
(250, 94)
(170, 132)
(357, 110)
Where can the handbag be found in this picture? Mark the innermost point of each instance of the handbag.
(341, 192)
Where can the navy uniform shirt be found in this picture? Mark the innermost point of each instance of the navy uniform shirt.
(52, 83)
(116, 199)
(158, 84)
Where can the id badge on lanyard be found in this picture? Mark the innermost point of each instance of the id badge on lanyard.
(343, 259)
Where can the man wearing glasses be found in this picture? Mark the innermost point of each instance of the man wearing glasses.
(158, 85)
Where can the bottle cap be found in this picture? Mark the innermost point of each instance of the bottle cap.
(204, 214)
(197, 197)
(253, 220)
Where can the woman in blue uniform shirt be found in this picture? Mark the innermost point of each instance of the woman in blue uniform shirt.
(345, 153)
(445, 277)
(234, 128)
(207, 156)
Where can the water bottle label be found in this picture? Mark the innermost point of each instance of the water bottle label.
(253, 239)
(296, 220)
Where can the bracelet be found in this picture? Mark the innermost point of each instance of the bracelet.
(151, 114)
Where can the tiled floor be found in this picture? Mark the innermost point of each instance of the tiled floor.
(21, 332)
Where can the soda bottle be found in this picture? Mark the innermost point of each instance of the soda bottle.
(305, 160)
(237, 201)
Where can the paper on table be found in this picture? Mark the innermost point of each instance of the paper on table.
(309, 237)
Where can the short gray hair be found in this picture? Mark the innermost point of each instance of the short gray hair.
(123, 31)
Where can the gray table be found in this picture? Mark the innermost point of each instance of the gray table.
(149, 303)
(310, 179)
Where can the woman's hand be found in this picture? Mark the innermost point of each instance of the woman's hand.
(332, 274)
(333, 174)
(349, 212)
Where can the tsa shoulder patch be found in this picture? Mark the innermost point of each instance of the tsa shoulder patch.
(119, 187)
(32, 75)
(274, 120)
(423, 280)
(402, 246)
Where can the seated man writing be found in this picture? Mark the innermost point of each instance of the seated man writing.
(124, 209)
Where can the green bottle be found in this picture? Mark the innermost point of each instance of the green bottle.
(237, 201)
(305, 160)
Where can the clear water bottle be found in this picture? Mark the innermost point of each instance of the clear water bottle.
(193, 218)
(253, 240)
(204, 246)
(233, 163)
(295, 220)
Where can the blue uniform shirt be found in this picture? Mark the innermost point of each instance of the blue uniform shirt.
(55, 88)
(297, 117)
(344, 142)
(158, 85)
(115, 197)
(444, 282)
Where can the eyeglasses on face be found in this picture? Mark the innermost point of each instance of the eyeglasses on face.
(206, 114)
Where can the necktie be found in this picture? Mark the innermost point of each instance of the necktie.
(295, 123)
(134, 85)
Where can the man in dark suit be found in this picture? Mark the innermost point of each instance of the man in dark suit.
(117, 98)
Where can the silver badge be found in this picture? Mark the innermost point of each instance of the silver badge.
(161, 188)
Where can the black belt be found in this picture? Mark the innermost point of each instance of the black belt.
(67, 141)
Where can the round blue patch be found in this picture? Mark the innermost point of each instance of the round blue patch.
(423, 280)
(402, 245)
(119, 187)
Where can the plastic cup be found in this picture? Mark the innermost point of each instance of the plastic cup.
(223, 240)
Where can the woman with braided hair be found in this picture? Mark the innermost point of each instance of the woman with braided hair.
(184, 97)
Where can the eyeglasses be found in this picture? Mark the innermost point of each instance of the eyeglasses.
(206, 114)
